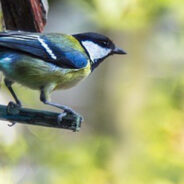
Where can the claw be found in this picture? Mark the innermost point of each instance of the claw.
(13, 108)
(81, 118)
(11, 124)
(60, 118)
(71, 111)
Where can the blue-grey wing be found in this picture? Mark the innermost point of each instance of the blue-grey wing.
(56, 49)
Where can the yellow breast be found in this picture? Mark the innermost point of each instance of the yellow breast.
(72, 77)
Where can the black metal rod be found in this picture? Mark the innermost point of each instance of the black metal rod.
(14, 113)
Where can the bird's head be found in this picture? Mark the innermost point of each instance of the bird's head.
(98, 47)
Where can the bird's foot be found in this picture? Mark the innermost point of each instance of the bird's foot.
(71, 111)
(13, 109)
(60, 118)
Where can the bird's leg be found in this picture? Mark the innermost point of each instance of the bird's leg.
(8, 84)
(63, 107)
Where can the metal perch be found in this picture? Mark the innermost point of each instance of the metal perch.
(14, 113)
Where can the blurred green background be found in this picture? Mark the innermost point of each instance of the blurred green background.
(133, 105)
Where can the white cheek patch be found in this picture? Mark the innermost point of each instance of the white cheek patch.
(95, 51)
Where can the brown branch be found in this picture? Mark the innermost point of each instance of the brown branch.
(26, 15)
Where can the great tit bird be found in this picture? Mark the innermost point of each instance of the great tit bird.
(52, 61)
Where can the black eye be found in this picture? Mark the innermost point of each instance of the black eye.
(105, 43)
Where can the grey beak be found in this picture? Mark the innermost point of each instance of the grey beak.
(118, 51)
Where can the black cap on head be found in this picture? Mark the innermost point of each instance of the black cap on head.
(101, 40)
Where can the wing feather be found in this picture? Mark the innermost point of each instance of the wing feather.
(60, 51)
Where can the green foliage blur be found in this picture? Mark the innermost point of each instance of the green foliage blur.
(133, 105)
